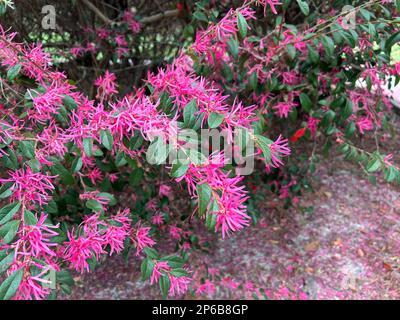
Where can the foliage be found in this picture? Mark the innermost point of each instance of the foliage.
(67, 155)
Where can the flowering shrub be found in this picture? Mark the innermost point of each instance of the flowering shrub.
(66, 156)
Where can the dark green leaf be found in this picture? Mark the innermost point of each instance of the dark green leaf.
(204, 193)
(6, 260)
(215, 119)
(157, 152)
(29, 218)
(189, 114)
(165, 284)
(178, 170)
(9, 230)
(94, 205)
(8, 212)
(242, 24)
(146, 268)
(88, 146)
(10, 286)
(13, 72)
(304, 7)
(107, 139)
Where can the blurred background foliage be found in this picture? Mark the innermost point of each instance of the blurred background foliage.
(165, 27)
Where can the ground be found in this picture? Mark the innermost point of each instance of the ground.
(348, 247)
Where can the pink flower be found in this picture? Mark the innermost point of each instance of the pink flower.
(113, 177)
(175, 232)
(229, 283)
(207, 287)
(179, 285)
(141, 238)
(158, 267)
(95, 195)
(115, 235)
(284, 108)
(77, 51)
(364, 124)
(33, 287)
(35, 240)
(157, 219)
(106, 85)
(95, 175)
(312, 125)
(165, 191)
(279, 149)
(94, 236)
(78, 250)
(36, 62)
(29, 187)
(270, 3)
(45, 105)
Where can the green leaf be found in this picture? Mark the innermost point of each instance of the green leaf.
(313, 54)
(204, 193)
(27, 148)
(391, 174)
(211, 220)
(264, 143)
(189, 114)
(329, 45)
(173, 261)
(3, 9)
(35, 165)
(215, 119)
(179, 272)
(69, 102)
(110, 197)
(29, 218)
(242, 24)
(64, 277)
(151, 253)
(94, 205)
(66, 177)
(306, 102)
(373, 165)
(291, 50)
(304, 7)
(88, 146)
(6, 260)
(157, 152)
(211, 216)
(391, 41)
(107, 139)
(120, 159)
(348, 109)
(165, 284)
(13, 71)
(10, 160)
(198, 15)
(8, 212)
(10, 286)
(77, 164)
(233, 47)
(146, 268)
(135, 177)
(9, 230)
(253, 81)
(136, 141)
(179, 169)
(5, 192)
(197, 158)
